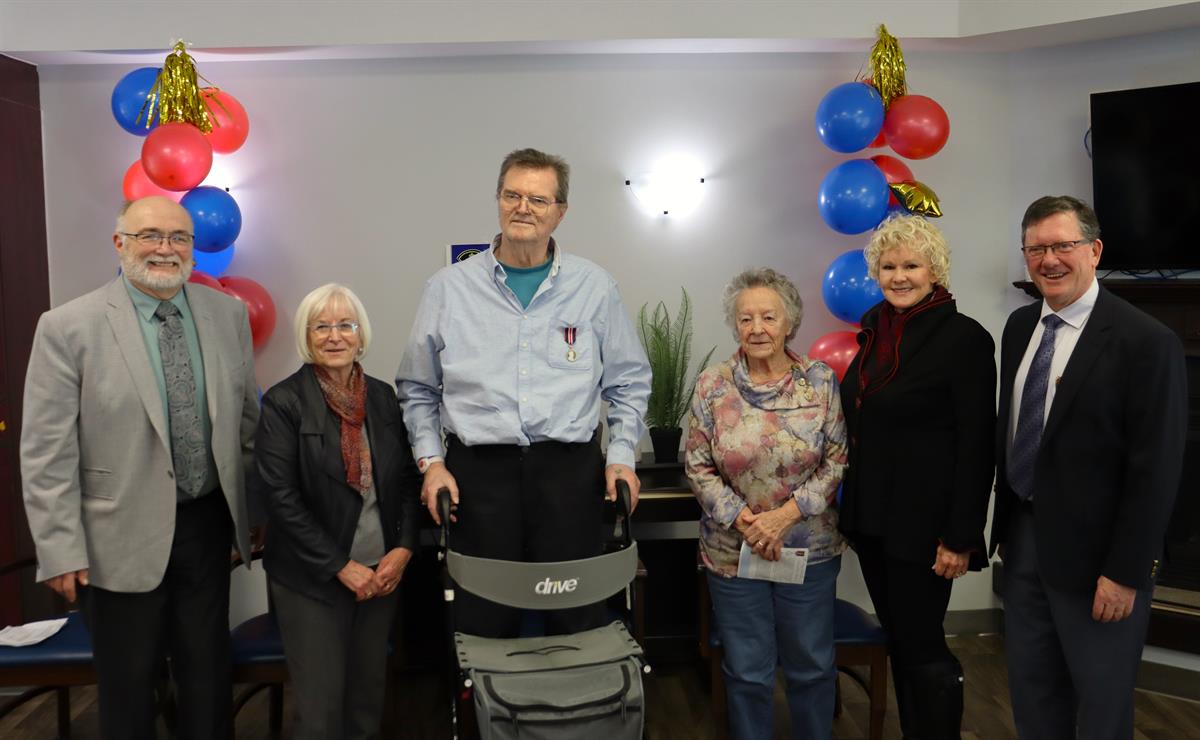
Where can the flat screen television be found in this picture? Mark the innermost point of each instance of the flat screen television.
(1146, 177)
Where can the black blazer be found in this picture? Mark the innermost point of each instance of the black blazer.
(313, 512)
(921, 443)
(1112, 451)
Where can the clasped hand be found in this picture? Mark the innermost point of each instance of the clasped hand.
(764, 532)
(383, 580)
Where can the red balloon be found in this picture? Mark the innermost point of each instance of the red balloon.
(176, 156)
(836, 349)
(916, 126)
(258, 303)
(895, 171)
(230, 124)
(137, 185)
(203, 278)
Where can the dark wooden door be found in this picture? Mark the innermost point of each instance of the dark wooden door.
(24, 295)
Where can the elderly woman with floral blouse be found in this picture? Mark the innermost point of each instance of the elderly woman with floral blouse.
(765, 453)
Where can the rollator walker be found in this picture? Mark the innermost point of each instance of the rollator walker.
(585, 685)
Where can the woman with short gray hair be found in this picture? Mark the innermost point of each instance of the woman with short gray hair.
(765, 452)
(341, 489)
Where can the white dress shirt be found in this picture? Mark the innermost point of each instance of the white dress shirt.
(1075, 317)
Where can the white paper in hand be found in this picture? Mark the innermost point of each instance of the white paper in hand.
(789, 568)
(30, 634)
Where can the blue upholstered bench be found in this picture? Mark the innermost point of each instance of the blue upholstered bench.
(859, 641)
(65, 660)
(55, 664)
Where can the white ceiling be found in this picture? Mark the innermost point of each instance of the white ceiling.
(139, 31)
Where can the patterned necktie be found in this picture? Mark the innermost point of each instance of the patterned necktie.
(187, 438)
(1027, 439)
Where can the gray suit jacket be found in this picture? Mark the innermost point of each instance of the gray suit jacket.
(96, 465)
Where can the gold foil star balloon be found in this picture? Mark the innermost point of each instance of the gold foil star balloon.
(917, 197)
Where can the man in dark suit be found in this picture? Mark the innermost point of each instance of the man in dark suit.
(140, 409)
(1092, 423)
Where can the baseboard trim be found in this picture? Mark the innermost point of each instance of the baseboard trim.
(1158, 677)
(1169, 679)
(974, 622)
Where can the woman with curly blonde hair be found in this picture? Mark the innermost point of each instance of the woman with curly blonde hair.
(919, 402)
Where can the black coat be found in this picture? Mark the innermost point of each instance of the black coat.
(313, 512)
(1111, 456)
(922, 443)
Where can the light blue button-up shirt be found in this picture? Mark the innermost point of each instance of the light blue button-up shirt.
(481, 367)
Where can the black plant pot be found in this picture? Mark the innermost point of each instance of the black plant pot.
(665, 441)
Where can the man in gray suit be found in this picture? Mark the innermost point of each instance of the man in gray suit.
(140, 412)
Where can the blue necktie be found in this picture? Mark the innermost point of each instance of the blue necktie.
(1027, 439)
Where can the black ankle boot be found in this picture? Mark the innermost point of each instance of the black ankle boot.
(906, 703)
(937, 693)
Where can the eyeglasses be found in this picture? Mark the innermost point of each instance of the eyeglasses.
(537, 203)
(1037, 251)
(321, 331)
(154, 238)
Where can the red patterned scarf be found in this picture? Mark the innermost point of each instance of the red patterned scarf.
(350, 405)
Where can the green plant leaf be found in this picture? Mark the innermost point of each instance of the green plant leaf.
(668, 345)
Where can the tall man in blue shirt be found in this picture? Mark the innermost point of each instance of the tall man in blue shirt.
(510, 355)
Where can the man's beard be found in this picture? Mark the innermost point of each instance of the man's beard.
(138, 271)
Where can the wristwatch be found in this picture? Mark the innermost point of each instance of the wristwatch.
(424, 463)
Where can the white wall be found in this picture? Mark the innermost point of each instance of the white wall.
(361, 171)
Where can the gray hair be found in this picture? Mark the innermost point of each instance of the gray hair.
(532, 159)
(316, 302)
(1048, 205)
(764, 277)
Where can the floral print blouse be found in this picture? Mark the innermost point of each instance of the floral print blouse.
(758, 445)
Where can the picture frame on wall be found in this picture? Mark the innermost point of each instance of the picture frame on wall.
(461, 252)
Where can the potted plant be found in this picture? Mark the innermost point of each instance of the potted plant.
(668, 345)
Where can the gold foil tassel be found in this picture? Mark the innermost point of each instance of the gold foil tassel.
(177, 92)
(887, 67)
(917, 197)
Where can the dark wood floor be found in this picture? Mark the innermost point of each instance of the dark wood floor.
(678, 701)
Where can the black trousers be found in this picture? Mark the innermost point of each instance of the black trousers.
(540, 503)
(185, 617)
(910, 601)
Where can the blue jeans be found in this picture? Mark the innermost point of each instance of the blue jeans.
(764, 624)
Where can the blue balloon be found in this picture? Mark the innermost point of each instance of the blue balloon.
(847, 289)
(216, 216)
(214, 263)
(849, 117)
(129, 96)
(853, 197)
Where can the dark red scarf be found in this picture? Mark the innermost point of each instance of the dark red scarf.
(884, 357)
(350, 405)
